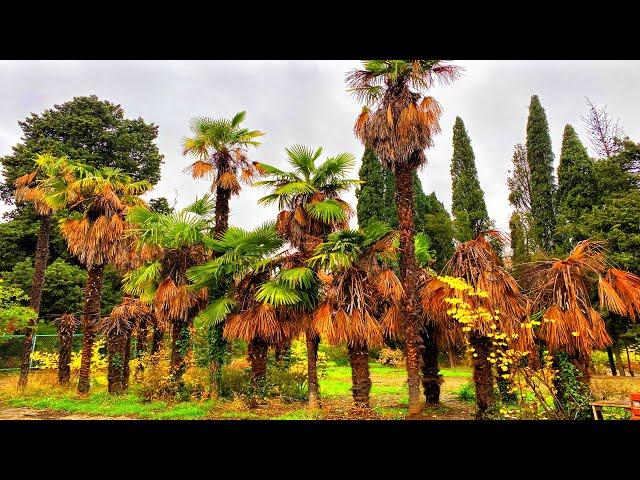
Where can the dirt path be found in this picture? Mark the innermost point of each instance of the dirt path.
(13, 413)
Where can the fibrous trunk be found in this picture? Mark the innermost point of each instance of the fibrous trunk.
(116, 342)
(482, 374)
(312, 369)
(257, 353)
(156, 340)
(612, 363)
(360, 378)
(125, 367)
(42, 255)
(179, 347)
(431, 378)
(217, 353)
(90, 318)
(65, 337)
(141, 337)
(408, 275)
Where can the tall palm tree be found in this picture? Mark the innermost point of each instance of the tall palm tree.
(220, 147)
(308, 198)
(118, 327)
(95, 234)
(476, 262)
(32, 188)
(562, 292)
(359, 285)
(398, 123)
(66, 326)
(261, 287)
(178, 241)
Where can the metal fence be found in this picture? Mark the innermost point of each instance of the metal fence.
(11, 348)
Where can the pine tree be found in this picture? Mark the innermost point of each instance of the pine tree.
(370, 195)
(577, 189)
(468, 205)
(540, 160)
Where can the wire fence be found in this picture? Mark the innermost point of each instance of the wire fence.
(11, 349)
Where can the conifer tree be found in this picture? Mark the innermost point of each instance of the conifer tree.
(371, 194)
(468, 206)
(577, 189)
(543, 189)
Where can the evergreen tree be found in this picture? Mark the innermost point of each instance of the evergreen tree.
(468, 205)
(577, 188)
(519, 183)
(370, 195)
(390, 207)
(540, 160)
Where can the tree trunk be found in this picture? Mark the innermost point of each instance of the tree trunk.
(482, 374)
(257, 353)
(282, 352)
(360, 378)
(312, 369)
(222, 210)
(612, 363)
(115, 356)
(453, 362)
(141, 337)
(64, 355)
(619, 362)
(179, 345)
(156, 340)
(431, 378)
(90, 318)
(217, 353)
(558, 384)
(629, 362)
(408, 275)
(37, 284)
(126, 356)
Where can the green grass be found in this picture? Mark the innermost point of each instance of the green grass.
(388, 394)
(103, 404)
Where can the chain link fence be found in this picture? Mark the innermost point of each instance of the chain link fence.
(11, 349)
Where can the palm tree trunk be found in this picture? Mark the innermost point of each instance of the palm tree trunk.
(90, 318)
(482, 374)
(37, 284)
(179, 345)
(312, 369)
(612, 363)
(222, 210)
(126, 356)
(65, 337)
(217, 353)
(156, 340)
(115, 357)
(431, 378)
(629, 362)
(141, 337)
(257, 353)
(360, 378)
(408, 274)
(453, 362)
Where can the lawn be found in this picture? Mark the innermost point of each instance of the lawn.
(388, 399)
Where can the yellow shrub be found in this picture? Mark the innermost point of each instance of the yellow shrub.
(49, 360)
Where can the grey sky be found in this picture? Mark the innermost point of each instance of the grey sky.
(306, 102)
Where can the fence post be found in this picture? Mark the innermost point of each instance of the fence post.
(33, 349)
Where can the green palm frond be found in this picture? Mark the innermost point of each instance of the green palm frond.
(335, 168)
(216, 312)
(204, 206)
(141, 279)
(327, 211)
(276, 294)
(303, 159)
(300, 277)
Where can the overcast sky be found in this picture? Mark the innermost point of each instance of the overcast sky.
(305, 102)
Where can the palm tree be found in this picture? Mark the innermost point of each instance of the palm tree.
(32, 188)
(252, 306)
(220, 146)
(359, 285)
(308, 198)
(95, 234)
(562, 293)
(118, 327)
(476, 262)
(66, 326)
(178, 240)
(398, 123)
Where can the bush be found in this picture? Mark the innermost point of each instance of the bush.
(335, 353)
(390, 356)
(466, 393)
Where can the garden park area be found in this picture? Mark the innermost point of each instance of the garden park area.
(118, 304)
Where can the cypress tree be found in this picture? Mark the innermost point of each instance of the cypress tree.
(540, 160)
(390, 207)
(577, 189)
(468, 205)
(370, 195)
